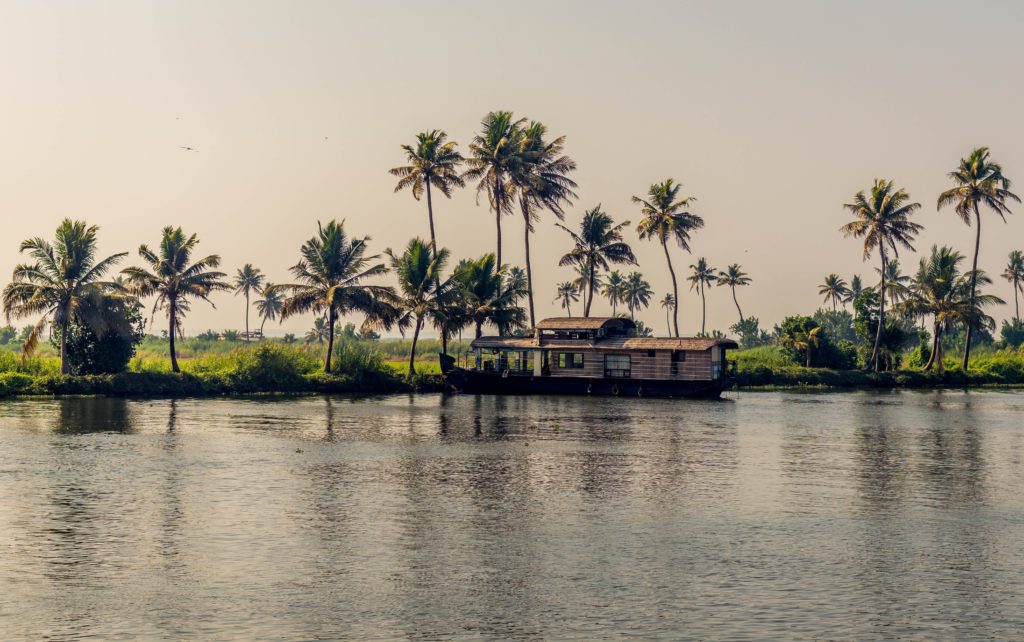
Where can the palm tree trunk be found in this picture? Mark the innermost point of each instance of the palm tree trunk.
(675, 288)
(668, 325)
(529, 269)
(1016, 301)
(568, 308)
(65, 365)
(263, 324)
(974, 284)
(703, 310)
(479, 329)
(246, 315)
(330, 340)
(810, 348)
(173, 320)
(430, 218)
(412, 352)
(734, 300)
(497, 218)
(935, 346)
(875, 356)
(590, 289)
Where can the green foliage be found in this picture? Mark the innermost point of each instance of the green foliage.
(1012, 333)
(836, 324)
(7, 334)
(90, 352)
(750, 333)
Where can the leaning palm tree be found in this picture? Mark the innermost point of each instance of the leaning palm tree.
(420, 290)
(636, 293)
(977, 181)
(495, 155)
(834, 289)
(882, 219)
(174, 278)
(269, 307)
(63, 285)
(329, 281)
(247, 280)
(1014, 273)
(665, 218)
(614, 290)
(669, 303)
(433, 162)
(702, 276)
(490, 295)
(568, 293)
(597, 245)
(734, 277)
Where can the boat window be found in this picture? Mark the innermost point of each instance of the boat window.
(650, 353)
(616, 365)
(679, 356)
(570, 359)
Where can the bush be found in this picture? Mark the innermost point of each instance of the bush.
(1012, 333)
(270, 367)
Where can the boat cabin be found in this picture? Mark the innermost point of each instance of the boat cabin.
(601, 348)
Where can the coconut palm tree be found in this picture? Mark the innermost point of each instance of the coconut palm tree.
(636, 293)
(248, 279)
(702, 276)
(583, 280)
(491, 295)
(319, 332)
(269, 307)
(614, 290)
(806, 340)
(64, 284)
(495, 156)
(896, 283)
(734, 277)
(664, 218)
(330, 281)
(1014, 273)
(433, 162)
(418, 269)
(669, 303)
(597, 244)
(542, 183)
(568, 293)
(174, 278)
(882, 219)
(977, 181)
(834, 289)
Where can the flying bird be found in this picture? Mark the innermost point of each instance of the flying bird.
(188, 149)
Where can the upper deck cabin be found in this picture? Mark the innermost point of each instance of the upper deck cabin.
(601, 347)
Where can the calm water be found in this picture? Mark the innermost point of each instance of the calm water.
(767, 516)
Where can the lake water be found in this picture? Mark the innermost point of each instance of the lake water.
(764, 516)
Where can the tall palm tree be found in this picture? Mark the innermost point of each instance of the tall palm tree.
(542, 182)
(64, 284)
(977, 181)
(174, 278)
(882, 219)
(614, 290)
(248, 279)
(636, 293)
(734, 277)
(433, 162)
(495, 156)
(597, 244)
(319, 332)
(834, 289)
(1014, 273)
(568, 293)
(669, 303)
(329, 281)
(702, 276)
(491, 295)
(665, 217)
(269, 307)
(418, 269)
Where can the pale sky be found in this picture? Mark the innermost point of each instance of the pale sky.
(772, 114)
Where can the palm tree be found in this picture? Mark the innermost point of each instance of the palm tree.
(433, 162)
(269, 307)
(490, 295)
(568, 293)
(584, 278)
(669, 303)
(734, 277)
(1014, 273)
(896, 283)
(856, 287)
(248, 279)
(495, 155)
(174, 278)
(418, 269)
(834, 289)
(614, 290)
(330, 278)
(702, 276)
(636, 293)
(319, 332)
(977, 181)
(664, 218)
(542, 182)
(883, 221)
(806, 340)
(64, 284)
(598, 244)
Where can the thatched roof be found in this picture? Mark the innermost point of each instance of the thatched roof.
(583, 323)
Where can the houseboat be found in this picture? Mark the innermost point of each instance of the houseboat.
(595, 356)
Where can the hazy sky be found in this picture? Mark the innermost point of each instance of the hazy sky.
(771, 113)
